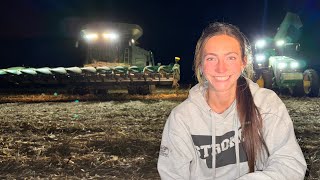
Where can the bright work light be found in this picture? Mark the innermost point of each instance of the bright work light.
(280, 43)
(294, 65)
(261, 43)
(111, 36)
(260, 57)
(91, 36)
(282, 65)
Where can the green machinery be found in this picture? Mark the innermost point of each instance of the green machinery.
(278, 64)
(113, 61)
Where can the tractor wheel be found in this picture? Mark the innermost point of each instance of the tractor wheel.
(284, 91)
(256, 75)
(311, 83)
(267, 79)
(259, 81)
(146, 89)
(297, 90)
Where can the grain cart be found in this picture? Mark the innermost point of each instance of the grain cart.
(113, 61)
(278, 64)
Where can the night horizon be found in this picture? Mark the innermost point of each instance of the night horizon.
(37, 34)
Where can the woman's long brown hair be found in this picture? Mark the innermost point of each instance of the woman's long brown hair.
(251, 123)
(249, 115)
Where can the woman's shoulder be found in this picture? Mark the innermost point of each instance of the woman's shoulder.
(264, 97)
(183, 107)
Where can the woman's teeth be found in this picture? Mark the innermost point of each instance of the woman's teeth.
(221, 78)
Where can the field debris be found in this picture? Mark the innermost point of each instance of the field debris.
(109, 138)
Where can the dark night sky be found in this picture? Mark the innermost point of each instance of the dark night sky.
(41, 32)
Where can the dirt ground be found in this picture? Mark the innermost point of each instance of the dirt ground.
(113, 137)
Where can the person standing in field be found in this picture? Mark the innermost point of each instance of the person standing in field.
(228, 127)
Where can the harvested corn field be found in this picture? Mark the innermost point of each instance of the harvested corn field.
(114, 137)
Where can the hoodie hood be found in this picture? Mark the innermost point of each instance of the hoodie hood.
(197, 96)
(253, 86)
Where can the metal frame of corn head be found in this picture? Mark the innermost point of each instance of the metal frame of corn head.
(88, 79)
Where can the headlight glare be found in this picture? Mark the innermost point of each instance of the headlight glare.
(282, 65)
(294, 65)
(260, 43)
(280, 43)
(111, 36)
(260, 57)
(91, 36)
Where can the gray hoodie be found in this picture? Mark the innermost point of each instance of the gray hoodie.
(192, 129)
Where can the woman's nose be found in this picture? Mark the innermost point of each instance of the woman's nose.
(221, 67)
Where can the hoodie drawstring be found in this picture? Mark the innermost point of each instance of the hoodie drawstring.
(236, 136)
(213, 140)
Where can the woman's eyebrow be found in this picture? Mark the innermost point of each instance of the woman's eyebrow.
(231, 53)
(226, 54)
(213, 54)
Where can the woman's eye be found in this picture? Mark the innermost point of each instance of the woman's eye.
(210, 58)
(231, 58)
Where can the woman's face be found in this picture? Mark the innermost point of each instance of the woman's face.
(222, 63)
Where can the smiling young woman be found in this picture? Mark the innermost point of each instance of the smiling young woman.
(228, 128)
(222, 66)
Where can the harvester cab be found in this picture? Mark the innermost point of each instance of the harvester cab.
(278, 63)
(114, 43)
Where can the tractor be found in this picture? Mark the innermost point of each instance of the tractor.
(278, 64)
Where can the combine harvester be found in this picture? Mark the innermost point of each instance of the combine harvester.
(278, 64)
(113, 61)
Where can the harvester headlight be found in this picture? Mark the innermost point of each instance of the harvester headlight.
(282, 65)
(111, 36)
(260, 58)
(294, 65)
(280, 43)
(260, 44)
(91, 36)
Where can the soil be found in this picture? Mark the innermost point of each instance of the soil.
(115, 136)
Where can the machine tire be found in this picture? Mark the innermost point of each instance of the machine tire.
(267, 78)
(144, 90)
(297, 90)
(284, 91)
(255, 77)
(312, 76)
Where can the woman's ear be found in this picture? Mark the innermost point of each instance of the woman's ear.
(201, 69)
(244, 62)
